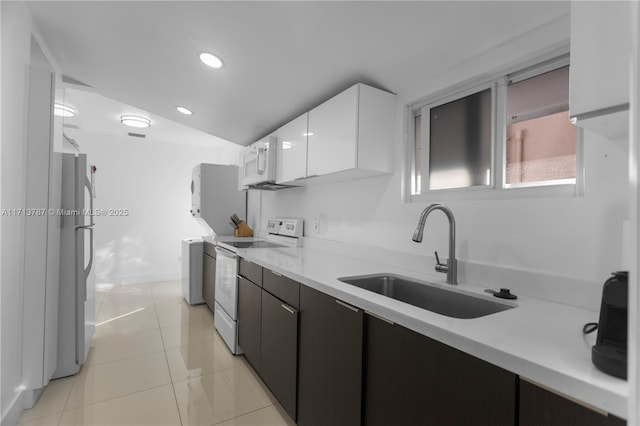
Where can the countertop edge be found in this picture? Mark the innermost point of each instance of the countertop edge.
(598, 396)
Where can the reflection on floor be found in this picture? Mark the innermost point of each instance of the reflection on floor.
(155, 360)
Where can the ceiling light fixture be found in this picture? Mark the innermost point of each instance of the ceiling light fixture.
(135, 121)
(308, 134)
(183, 110)
(62, 110)
(286, 145)
(211, 60)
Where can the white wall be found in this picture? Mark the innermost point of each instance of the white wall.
(152, 180)
(16, 42)
(575, 237)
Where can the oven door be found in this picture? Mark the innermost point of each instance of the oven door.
(226, 293)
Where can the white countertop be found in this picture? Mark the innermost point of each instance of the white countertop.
(538, 340)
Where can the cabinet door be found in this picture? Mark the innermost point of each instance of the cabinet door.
(292, 150)
(542, 407)
(330, 361)
(249, 320)
(279, 341)
(209, 280)
(332, 143)
(600, 52)
(411, 379)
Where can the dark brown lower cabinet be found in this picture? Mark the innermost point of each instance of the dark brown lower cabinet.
(209, 280)
(330, 361)
(279, 358)
(540, 406)
(249, 320)
(411, 379)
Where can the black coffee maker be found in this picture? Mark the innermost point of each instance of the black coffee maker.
(610, 351)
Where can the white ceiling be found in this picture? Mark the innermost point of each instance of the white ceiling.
(281, 58)
(99, 114)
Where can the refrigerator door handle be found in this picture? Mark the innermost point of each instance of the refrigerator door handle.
(87, 183)
(87, 270)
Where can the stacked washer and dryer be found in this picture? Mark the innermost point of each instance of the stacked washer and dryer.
(215, 196)
(219, 184)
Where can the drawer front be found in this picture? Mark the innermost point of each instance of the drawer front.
(282, 287)
(210, 249)
(250, 271)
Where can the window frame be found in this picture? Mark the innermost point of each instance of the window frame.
(497, 189)
(425, 130)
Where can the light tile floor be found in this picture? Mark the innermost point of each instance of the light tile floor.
(155, 360)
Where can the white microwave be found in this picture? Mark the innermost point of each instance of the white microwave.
(258, 165)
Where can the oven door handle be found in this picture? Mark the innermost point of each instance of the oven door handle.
(225, 252)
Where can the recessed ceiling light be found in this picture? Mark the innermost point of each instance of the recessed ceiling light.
(62, 110)
(185, 111)
(135, 121)
(286, 145)
(211, 60)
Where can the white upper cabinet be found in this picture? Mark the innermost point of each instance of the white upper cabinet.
(333, 134)
(292, 150)
(600, 59)
(350, 136)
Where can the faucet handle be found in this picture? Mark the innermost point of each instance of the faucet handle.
(440, 267)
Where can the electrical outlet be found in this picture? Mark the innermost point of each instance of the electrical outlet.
(316, 226)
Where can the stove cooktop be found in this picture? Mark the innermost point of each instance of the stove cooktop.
(252, 244)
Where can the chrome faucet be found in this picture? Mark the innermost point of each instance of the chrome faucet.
(451, 268)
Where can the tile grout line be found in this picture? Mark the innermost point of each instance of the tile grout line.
(240, 415)
(66, 401)
(125, 358)
(114, 398)
(65, 409)
(173, 388)
(136, 392)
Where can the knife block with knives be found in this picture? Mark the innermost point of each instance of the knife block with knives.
(242, 229)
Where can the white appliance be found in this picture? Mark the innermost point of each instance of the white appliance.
(258, 165)
(77, 303)
(283, 232)
(41, 232)
(192, 252)
(215, 197)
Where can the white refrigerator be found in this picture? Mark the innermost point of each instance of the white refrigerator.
(77, 304)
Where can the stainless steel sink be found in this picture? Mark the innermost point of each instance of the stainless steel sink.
(426, 296)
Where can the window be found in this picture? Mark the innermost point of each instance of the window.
(540, 139)
(511, 132)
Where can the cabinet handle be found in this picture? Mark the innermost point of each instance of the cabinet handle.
(353, 308)
(379, 317)
(276, 274)
(288, 309)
